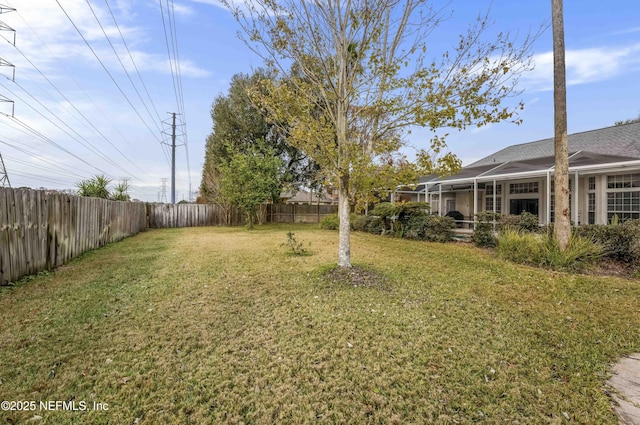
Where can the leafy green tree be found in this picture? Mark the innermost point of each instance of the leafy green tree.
(250, 178)
(239, 126)
(630, 121)
(365, 77)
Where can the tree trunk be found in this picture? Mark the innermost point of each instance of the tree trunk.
(562, 226)
(344, 213)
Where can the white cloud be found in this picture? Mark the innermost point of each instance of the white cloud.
(584, 66)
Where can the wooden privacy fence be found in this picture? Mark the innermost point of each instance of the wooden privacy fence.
(40, 231)
(298, 213)
(191, 215)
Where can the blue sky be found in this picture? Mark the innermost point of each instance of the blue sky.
(86, 124)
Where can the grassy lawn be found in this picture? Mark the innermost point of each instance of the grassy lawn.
(219, 325)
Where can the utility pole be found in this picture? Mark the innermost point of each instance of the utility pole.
(173, 155)
(4, 177)
(173, 159)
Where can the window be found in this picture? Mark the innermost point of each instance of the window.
(592, 183)
(518, 206)
(623, 196)
(489, 189)
(591, 207)
(531, 187)
(625, 205)
(623, 181)
(488, 204)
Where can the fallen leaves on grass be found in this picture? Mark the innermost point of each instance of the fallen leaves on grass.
(357, 276)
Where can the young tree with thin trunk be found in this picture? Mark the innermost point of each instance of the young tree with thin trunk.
(562, 222)
(364, 76)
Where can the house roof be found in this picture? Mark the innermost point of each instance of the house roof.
(620, 140)
(587, 150)
(303, 196)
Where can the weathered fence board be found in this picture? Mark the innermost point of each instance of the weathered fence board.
(40, 231)
(299, 213)
(192, 215)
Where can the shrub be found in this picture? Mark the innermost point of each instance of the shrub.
(543, 251)
(374, 225)
(484, 234)
(525, 222)
(360, 223)
(332, 222)
(620, 242)
(528, 222)
(431, 228)
(395, 215)
(295, 248)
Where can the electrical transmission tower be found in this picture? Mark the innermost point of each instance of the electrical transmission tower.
(163, 192)
(4, 177)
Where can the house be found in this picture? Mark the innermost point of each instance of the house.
(305, 197)
(604, 171)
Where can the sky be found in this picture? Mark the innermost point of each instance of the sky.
(90, 85)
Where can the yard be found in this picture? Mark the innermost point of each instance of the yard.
(221, 325)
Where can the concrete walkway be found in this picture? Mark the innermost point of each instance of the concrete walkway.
(626, 384)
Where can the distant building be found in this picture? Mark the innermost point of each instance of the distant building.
(306, 197)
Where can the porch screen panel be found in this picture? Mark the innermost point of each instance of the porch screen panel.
(488, 200)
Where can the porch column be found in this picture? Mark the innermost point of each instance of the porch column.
(475, 201)
(427, 197)
(495, 192)
(576, 193)
(548, 198)
(440, 199)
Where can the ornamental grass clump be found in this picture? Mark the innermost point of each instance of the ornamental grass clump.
(543, 251)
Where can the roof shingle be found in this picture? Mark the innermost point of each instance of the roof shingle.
(620, 140)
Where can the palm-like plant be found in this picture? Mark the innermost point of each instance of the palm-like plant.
(96, 187)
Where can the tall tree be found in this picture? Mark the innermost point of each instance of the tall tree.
(562, 219)
(239, 127)
(367, 79)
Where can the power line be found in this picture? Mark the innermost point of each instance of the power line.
(61, 65)
(88, 144)
(176, 77)
(115, 52)
(36, 156)
(133, 61)
(48, 140)
(4, 177)
(77, 110)
(108, 73)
